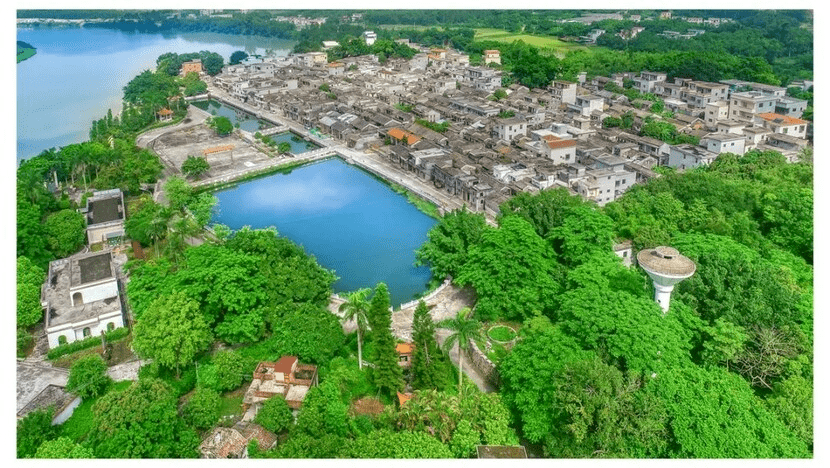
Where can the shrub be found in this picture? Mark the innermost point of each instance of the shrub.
(88, 377)
(275, 415)
(79, 345)
(202, 409)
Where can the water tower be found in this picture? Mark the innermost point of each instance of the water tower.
(666, 267)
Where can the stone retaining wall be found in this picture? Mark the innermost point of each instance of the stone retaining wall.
(428, 297)
(484, 366)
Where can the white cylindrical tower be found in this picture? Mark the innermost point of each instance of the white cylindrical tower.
(666, 267)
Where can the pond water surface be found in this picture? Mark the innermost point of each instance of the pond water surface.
(351, 222)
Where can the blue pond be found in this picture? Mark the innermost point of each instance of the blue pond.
(351, 222)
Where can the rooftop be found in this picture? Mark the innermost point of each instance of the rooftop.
(665, 261)
(782, 119)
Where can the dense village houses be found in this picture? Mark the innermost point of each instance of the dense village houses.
(534, 139)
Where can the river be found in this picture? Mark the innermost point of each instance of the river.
(80, 73)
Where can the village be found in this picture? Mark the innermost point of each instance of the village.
(486, 148)
(441, 128)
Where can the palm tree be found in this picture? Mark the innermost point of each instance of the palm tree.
(355, 308)
(464, 329)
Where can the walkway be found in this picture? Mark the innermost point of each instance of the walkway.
(445, 304)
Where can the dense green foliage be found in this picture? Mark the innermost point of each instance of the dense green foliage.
(429, 365)
(202, 409)
(171, 331)
(87, 343)
(33, 430)
(88, 377)
(275, 415)
(63, 447)
(387, 375)
(141, 422)
(194, 166)
(30, 277)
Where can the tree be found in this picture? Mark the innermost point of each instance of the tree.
(283, 147)
(307, 331)
(705, 424)
(463, 329)
(428, 365)
(237, 57)
(355, 308)
(65, 232)
(30, 278)
(230, 370)
(464, 440)
(33, 430)
(323, 413)
(88, 377)
(172, 331)
(63, 447)
(275, 415)
(202, 409)
(448, 243)
(141, 421)
(387, 374)
(222, 125)
(513, 271)
(195, 167)
(388, 444)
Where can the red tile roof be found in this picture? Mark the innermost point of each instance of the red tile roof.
(285, 364)
(403, 398)
(782, 119)
(560, 143)
(404, 348)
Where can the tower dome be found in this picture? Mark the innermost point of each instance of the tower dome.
(666, 267)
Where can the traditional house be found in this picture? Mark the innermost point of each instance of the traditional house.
(104, 216)
(404, 351)
(232, 442)
(285, 378)
(81, 298)
(194, 66)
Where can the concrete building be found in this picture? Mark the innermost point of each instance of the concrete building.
(715, 111)
(647, 80)
(783, 124)
(81, 298)
(724, 143)
(194, 66)
(666, 267)
(104, 216)
(285, 378)
(509, 129)
(744, 106)
(370, 37)
(492, 56)
(688, 156)
(559, 150)
(565, 91)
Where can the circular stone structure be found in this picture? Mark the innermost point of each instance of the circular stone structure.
(666, 267)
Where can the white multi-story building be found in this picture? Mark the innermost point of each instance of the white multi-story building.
(81, 298)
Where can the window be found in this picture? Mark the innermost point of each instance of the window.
(87, 332)
(61, 340)
(111, 326)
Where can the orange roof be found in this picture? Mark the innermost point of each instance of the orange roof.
(285, 364)
(403, 398)
(404, 348)
(778, 118)
(165, 111)
(399, 134)
(492, 51)
(559, 143)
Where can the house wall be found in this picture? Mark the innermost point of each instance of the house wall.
(96, 234)
(96, 292)
(734, 146)
(75, 331)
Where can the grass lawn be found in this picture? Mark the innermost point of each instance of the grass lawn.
(553, 44)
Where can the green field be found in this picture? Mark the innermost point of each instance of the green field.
(552, 44)
(24, 53)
